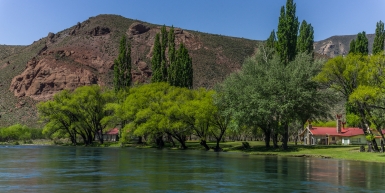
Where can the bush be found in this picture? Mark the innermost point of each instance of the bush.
(19, 132)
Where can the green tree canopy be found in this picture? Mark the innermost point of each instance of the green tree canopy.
(76, 113)
(360, 45)
(379, 39)
(271, 41)
(352, 47)
(270, 95)
(156, 61)
(306, 38)
(287, 32)
(360, 81)
(122, 66)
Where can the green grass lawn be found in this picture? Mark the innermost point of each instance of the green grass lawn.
(348, 152)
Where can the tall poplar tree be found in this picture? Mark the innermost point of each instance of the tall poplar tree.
(184, 62)
(362, 43)
(352, 47)
(179, 71)
(164, 44)
(156, 61)
(172, 67)
(287, 33)
(122, 66)
(378, 44)
(305, 39)
(271, 41)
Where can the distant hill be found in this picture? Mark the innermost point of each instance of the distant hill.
(83, 54)
(339, 45)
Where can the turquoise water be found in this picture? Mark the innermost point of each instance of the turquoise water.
(81, 169)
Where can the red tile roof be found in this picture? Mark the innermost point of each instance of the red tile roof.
(113, 131)
(332, 131)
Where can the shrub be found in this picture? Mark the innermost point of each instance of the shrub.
(20, 132)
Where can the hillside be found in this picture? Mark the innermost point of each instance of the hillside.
(83, 54)
(339, 45)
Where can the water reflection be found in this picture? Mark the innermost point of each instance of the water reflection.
(79, 169)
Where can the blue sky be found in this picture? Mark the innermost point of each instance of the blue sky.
(24, 21)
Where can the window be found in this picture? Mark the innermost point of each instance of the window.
(333, 138)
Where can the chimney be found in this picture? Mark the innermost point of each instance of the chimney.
(310, 127)
(339, 123)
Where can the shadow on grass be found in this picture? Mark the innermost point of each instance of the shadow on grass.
(291, 148)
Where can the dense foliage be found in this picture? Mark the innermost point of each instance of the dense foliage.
(287, 32)
(19, 132)
(306, 38)
(122, 66)
(379, 39)
(359, 80)
(78, 113)
(359, 45)
(177, 69)
(271, 96)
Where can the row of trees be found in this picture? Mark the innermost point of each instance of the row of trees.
(154, 110)
(360, 45)
(289, 41)
(177, 68)
(158, 109)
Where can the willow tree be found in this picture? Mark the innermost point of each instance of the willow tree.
(359, 79)
(77, 113)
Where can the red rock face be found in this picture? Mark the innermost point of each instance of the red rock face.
(42, 79)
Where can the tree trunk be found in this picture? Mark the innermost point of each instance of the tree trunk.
(204, 144)
(285, 136)
(217, 148)
(375, 146)
(159, 141)
(140, 140)
(275, 139)
(267, 137)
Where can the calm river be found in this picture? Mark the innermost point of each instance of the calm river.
(80, 169)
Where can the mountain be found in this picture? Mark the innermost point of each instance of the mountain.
(339, 45)
(83, 54)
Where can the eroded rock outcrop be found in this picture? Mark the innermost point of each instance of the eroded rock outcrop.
(99, 31)
(138, 28)
(43, 78)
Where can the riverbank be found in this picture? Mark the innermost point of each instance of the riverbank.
(349, 152)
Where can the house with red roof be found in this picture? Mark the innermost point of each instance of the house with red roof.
(111, 135)
(333, 135)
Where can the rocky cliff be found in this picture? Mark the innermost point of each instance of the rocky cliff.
(339, 45)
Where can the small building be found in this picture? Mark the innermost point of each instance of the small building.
(111, 135)
(334, 135)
